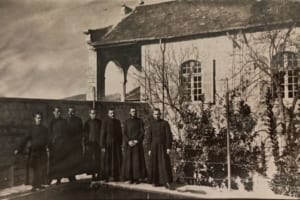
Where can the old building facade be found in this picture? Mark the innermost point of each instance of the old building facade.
(203, 32)
(199, 46)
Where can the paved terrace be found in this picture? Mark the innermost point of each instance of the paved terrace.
(180, 192)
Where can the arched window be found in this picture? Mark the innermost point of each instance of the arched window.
(288, 66)
(192, 80)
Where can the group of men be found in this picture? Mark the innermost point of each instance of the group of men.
(101, 148)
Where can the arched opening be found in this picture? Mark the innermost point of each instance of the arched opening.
(114, 79)
(133, 84)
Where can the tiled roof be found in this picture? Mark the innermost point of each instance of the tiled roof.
(195, 17)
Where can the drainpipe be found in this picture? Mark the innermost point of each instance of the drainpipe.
(94, 97)
(228, 138)
(163, 50)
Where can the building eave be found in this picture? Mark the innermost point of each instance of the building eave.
(207, 34)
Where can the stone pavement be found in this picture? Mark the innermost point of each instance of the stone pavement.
(188, 191)
(201, 192)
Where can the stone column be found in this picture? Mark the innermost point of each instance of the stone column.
(125, 66)
(101, 66)
(123, 94)
(91, 73)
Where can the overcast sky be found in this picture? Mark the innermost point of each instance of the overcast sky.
(43, 51)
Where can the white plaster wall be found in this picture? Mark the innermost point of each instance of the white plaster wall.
(204, 50)
(229, 64)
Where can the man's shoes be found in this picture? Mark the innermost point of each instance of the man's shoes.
(72, 179)
(134, 181)
(115, 179)
(41, 187)
(94, 185)
(49, 181)
(37, 188)
(58, 181)
(168, 186)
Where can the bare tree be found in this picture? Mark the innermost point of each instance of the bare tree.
(164, 83)
(274, 51)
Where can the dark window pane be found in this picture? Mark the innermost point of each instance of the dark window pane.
(290, 87)
(290, 94)
(296, 87)
(290, 80)
(197, 98)
(192, 63)
(290, 58)
(296, 79)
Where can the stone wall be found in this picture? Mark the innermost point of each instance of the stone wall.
(16, 115)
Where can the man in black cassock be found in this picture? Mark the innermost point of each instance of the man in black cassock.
(159, 139)
(38, 137)
(92, 130)
(111, 142)
(73, 144)
(58, 137)
(134, 167)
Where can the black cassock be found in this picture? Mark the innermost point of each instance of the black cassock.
(73, 146)
(92, 130)
(111, 140)
(134, 166)
(159, 139)
(38, 137)
(58, 136)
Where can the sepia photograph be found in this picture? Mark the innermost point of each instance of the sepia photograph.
(149, 99)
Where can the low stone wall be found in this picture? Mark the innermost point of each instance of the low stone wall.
(16, 116)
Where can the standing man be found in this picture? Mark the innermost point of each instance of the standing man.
(92, 130)
(38, 137)
(110, 142)
(159, 138)
(74, 144)
(57, 132)
(134, 167)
